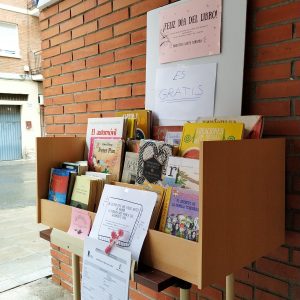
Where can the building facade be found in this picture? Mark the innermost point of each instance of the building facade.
(20, 79)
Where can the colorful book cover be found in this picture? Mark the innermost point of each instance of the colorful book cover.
(182, 172)
(130, 167)
(194, 133)
(152, 162)
(180, 216)
(105, 156)
(162, 133)
(80, 223)
(58, 186)
(143, 118)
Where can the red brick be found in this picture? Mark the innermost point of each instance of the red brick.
(281, 254)
(100, 83)
(85, 52)
(293, 239)
(139, 63)
(282, 128)
(272, 35)
(211, 293)
(47, 82)
(243, 290)
(54, 253)
(64, 119)
(55, 279)
(53, 71)
(295, 188)
(134, 295)
(278, 14)
(53, 246)
(138, 89)
(293, 146)
(115, 43)
(130, 25)
(67, 286)
(297, 68)
(278, 269)
(51, 52)
(66, 269)
(73, 44)
(100, 60)
(74, 87)
(87, 96)
(62, 275)
(61, 38)
(63, 99)
(83, 7)
(84, 29)
(297, 107)
(131, 51)
(295, 292)
(86, 74)
(46, 63)
(68, 78)
(45, 44)
(73, 66)
(44, 24)
(138, 36)
(75, 108)
(296, 257)
(135, 102)
(131, 77)
(48, 12)
(144, 6)
(271, 72)
(81, 128)
(60, 17)
(297, 33)
(281, 51)
(273, 108)
(98, 36)
(114, 18)
(51, 91)
(48, 101)
(123, 3)
(263, 282)
(67, 4)
(48, 120)
(83, 118)
(261, 295)
(98, 12)
(74, 22)
(50, 32)
(263, 3)
(102, 106)
(292, 164)
(115, 68)
(55, 129)
(146, 291)
(116, 92)
(66, 252)
(293, 201)
(61, 59)
(278, 89)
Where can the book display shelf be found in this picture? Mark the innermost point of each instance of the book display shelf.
(241, 209)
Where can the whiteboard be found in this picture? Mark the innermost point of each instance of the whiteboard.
(230, 63)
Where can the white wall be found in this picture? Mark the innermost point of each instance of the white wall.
(30, 111)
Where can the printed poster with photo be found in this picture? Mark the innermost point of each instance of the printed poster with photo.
(190, 30)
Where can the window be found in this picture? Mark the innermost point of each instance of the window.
(9, 41)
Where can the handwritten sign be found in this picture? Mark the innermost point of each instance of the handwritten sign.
(185, 92)
(190, 30)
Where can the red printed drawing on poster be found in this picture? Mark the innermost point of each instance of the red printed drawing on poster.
(190, 30)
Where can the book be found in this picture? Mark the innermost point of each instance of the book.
(253, 124)
(152, 162)
(182, 172)
(104, 176)
(194, 133)
(143, 123)
(168, 134)
(106, 156)
(58, 185)
(180, 213)
(106, 129)
(80, 167)
(130, 167)
(84, 193)
(80, 223)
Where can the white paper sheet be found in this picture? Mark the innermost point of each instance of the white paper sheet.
(104, 277)
(185, 92)
(126, 209)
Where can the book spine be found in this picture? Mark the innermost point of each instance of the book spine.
(165, 209)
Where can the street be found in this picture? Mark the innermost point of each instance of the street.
(17, 184)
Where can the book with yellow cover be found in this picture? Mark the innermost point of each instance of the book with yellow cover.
(194, 133)
(143, 118)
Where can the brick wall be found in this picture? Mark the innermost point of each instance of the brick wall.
(29, 40)
(94, 61)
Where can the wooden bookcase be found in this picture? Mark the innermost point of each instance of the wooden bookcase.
(242, 195)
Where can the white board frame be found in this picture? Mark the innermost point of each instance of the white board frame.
(230, 62)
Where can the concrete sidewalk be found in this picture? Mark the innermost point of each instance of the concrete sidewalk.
(24, 256)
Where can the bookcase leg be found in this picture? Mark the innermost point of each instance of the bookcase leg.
(184, 294)
(230, 287)
(76, 276)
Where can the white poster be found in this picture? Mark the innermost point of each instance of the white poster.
(185, 92)
(104, 277)
(127, 209)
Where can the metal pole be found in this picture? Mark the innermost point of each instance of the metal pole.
(230, 287)
(76, 276)
(184, 294)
